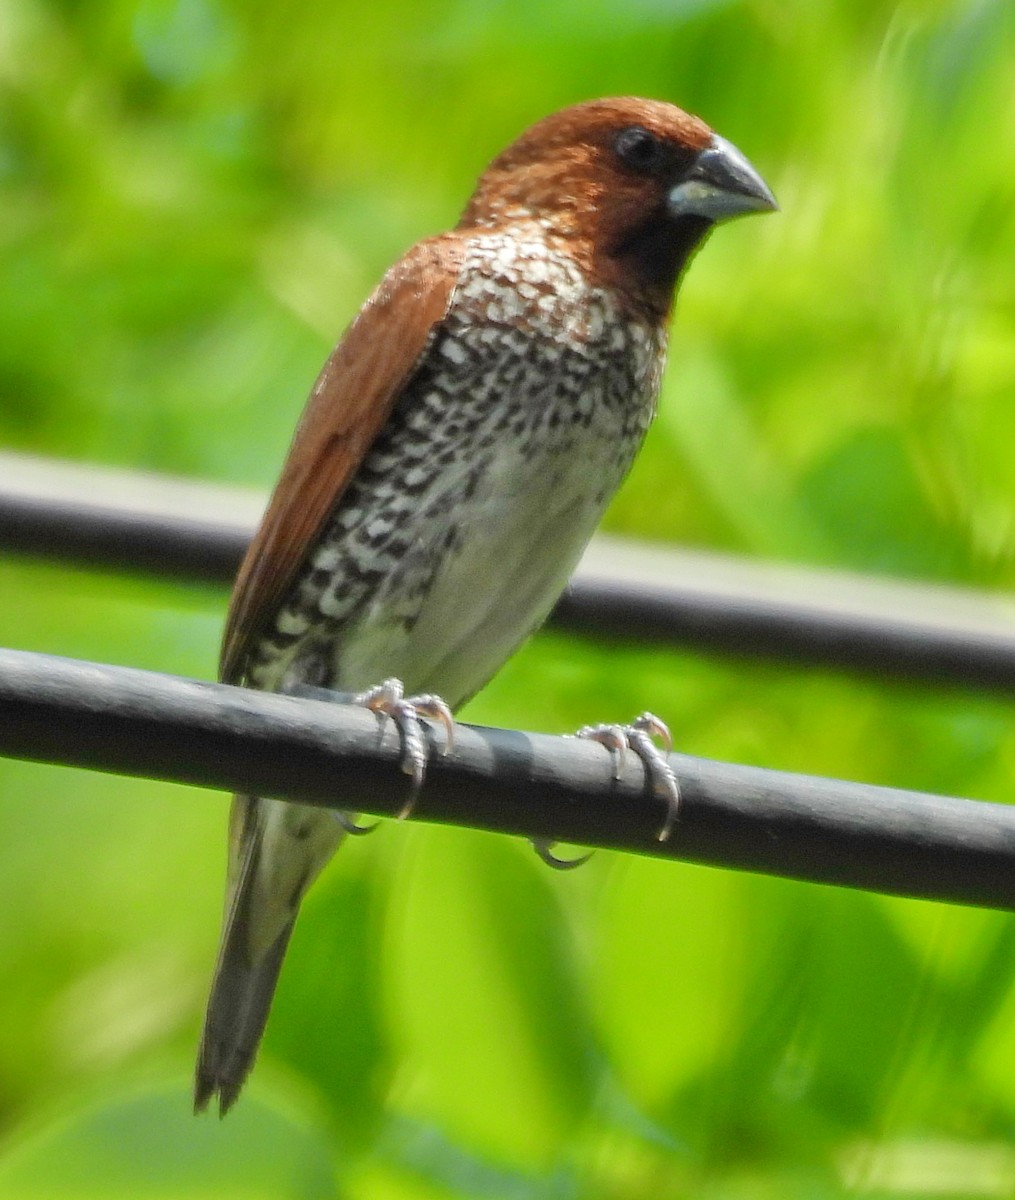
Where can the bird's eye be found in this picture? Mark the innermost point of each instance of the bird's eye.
(638, 148)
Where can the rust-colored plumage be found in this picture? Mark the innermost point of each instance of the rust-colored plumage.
(455, 456)
(351, 400)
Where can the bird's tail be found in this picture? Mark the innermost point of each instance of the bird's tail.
(241, 995)
(276, 851)
(247, 970)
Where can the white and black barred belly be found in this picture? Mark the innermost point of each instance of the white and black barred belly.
(469, 512)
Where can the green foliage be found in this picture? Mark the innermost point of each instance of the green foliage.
(195, 195)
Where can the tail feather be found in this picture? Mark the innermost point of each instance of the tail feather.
(245, 980)
(276, 851)
(241, 996)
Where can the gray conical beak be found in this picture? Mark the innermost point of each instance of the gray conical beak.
(720, 185)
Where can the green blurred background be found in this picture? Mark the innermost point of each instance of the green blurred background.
(195, 196)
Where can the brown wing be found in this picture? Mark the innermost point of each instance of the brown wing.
(350, 402)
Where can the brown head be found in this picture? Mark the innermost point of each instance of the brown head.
(631, 186)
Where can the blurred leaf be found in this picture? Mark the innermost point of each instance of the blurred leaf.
(151, 1145)
(715, 436)
(489, 1010)
(869, 502)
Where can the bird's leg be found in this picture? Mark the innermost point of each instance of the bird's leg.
(619, 739)
(388, 699)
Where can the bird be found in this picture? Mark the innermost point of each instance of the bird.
(455, 455)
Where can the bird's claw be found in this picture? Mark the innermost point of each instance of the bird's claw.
(544, 848)
(350, 825)
(388, 699)
(638, 738)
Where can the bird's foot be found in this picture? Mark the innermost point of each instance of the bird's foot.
(388, 699)
(638, 738)
(619, 739)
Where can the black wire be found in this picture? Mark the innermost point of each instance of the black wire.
(337, 755)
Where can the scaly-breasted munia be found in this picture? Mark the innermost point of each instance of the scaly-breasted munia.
(455, 456)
